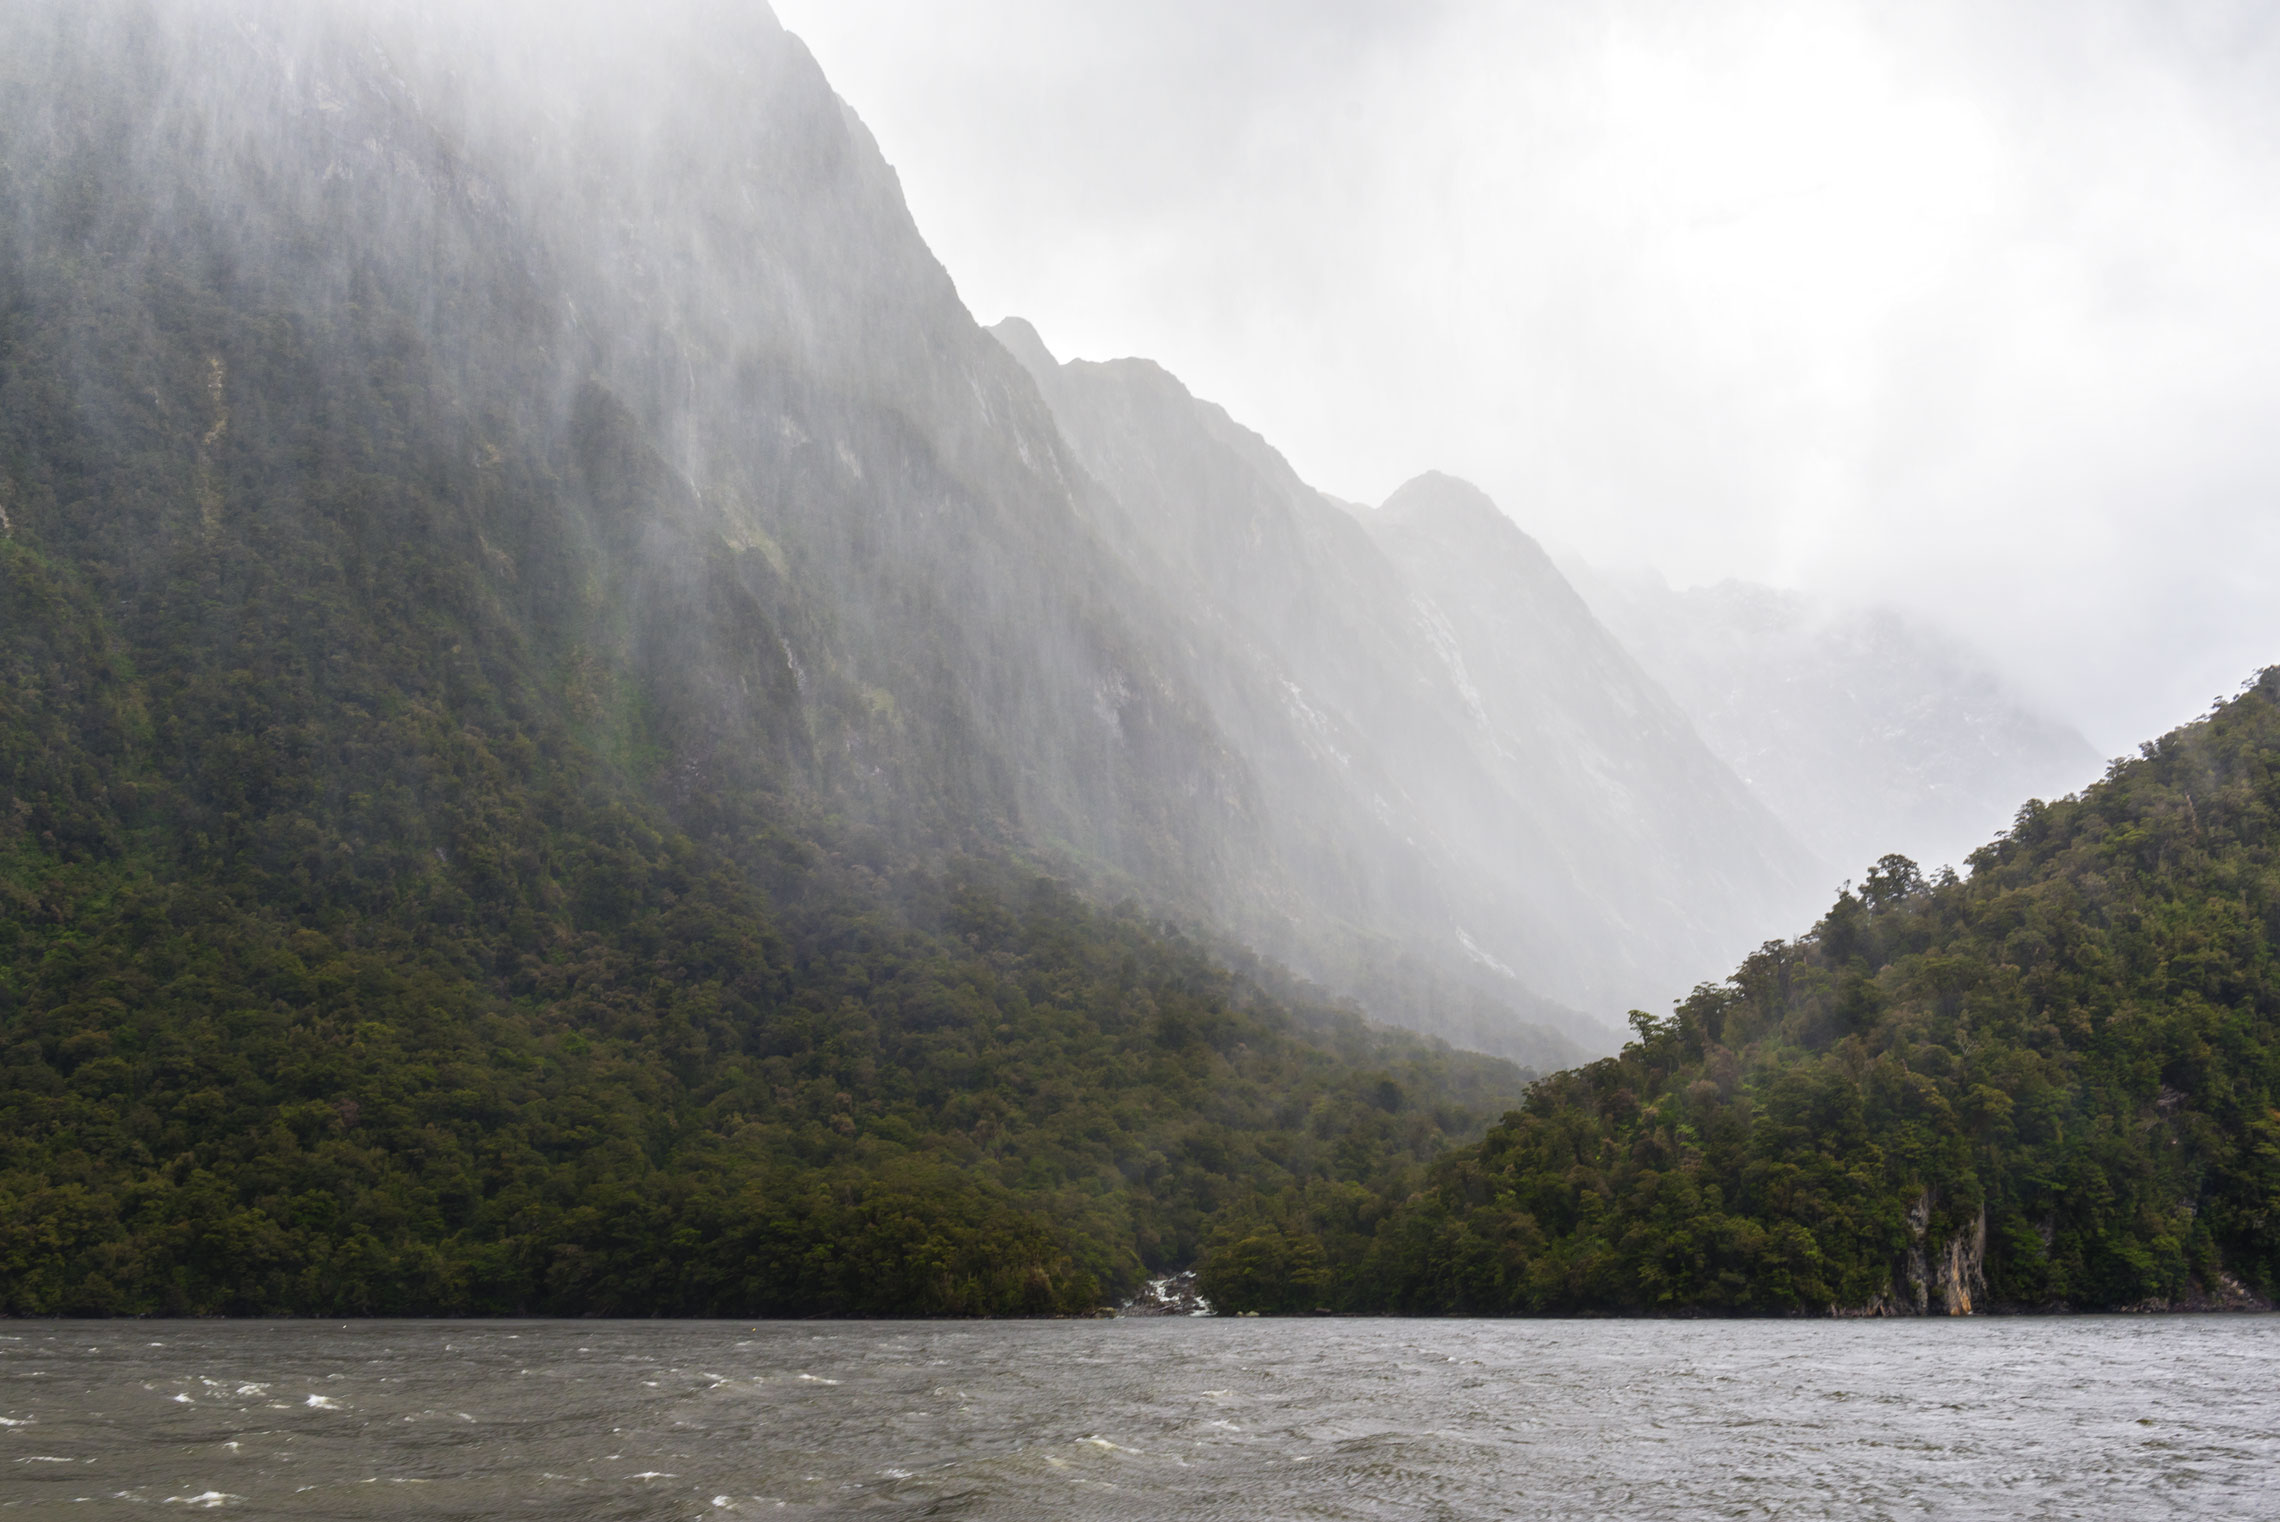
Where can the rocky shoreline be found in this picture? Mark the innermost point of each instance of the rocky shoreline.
(1172, 1295)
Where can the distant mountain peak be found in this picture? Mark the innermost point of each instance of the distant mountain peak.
(1866, 728)
(1443, 732)
(1021, 340)
(1453, 511)
(1438, 500)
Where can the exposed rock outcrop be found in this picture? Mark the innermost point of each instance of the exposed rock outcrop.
(1935, 1276)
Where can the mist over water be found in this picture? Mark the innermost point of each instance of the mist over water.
(2073, 1418)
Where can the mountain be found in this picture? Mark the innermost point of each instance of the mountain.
(1451, 748)
(1295, 635)
(1866, 731)
(2052, 1084)
(568, 739)
(1668, 858)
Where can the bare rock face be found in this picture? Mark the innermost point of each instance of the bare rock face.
(1961, 1269)
(1936, 1276)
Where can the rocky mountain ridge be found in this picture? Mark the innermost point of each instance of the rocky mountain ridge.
(1436, 709)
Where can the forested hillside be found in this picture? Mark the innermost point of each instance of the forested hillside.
(2055, 1082)
(472, 840)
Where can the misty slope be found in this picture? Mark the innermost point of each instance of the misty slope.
(1658, 838)
(1865, 731)
(1449, 743)
(974, 667)
(2052, 1084)
(540, 651)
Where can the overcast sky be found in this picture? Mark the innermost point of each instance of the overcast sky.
(1967, 307)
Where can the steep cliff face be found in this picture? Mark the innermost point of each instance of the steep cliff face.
(1660, 860)
(1313, 664)
(1941, 1273)
(358, 363)
(725, 455)
(655, 269)
(1449, 743)
(723, 448)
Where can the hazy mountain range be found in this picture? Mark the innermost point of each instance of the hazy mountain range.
(1453, 751)
(963, 601)
(1612, 784)
(1867, 731)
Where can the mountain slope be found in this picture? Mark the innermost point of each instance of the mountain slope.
(544, 666)
(2051, 1084)
(1449, 745)
(1668, 864)
(1298, 640)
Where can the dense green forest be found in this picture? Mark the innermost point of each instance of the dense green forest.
(210, 1107)
(2052, 1083)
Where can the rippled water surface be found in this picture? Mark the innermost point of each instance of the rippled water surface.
(1173, 1419)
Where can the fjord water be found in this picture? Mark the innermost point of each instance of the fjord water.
(2087, 1417)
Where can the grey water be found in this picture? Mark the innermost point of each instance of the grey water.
(2088, 1417)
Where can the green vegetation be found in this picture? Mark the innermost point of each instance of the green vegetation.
(2076, 1044)
(214, 1109)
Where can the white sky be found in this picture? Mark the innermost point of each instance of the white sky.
(1966, 306)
